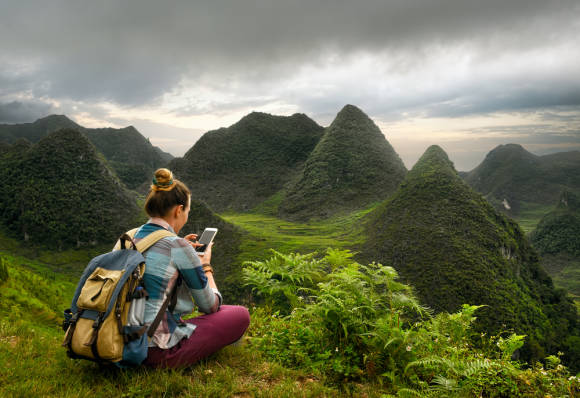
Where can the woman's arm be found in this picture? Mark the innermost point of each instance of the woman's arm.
(201, 283)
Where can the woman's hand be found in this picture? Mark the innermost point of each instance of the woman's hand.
(192, 239)
(205, 257)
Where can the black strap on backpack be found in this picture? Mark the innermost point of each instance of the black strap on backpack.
(169, 303)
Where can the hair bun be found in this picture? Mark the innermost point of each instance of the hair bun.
(163, 180)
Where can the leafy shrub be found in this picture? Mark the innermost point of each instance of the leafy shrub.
(348, 321)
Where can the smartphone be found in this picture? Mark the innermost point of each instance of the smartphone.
(206, 238)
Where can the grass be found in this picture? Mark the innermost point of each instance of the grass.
(34, 363)
(267, 231)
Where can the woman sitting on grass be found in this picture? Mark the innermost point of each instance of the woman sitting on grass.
(173, 260)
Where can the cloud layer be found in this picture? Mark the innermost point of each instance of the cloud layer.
(186, 59)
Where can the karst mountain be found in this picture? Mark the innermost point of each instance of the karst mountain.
(351, 167)
(449, 243)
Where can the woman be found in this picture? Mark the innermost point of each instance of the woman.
(173, 260)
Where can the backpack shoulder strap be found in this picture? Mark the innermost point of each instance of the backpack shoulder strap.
(152, 238)
(148, 241)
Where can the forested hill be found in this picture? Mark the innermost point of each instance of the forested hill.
(129, 153)
(450, 244)
(60, 192)
(510, 175)
(352, 166)
(559, 230)
(240, 166)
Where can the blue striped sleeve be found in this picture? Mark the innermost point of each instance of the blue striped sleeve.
(189, 265)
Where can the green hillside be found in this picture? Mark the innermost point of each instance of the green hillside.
(557, 238)
(240, 166)
(454, 248)
(59, 192)
(129, 154)
(523, 185)
(352, 166)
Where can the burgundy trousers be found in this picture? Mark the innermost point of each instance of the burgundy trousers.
(213, 332)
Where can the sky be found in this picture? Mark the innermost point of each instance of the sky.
(464, 74)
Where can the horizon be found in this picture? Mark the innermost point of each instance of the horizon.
(409, 163)
(465, 75)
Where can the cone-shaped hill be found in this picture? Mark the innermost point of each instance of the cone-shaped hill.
(352, 166)
(240, 166)
(450, 244)
(510, 175)
(60, 192)
(129, 154)
(559, 230)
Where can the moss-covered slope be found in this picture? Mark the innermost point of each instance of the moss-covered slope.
(453, 247)
(510, 175)
(60, 192)
(352, 166)
(240, 166)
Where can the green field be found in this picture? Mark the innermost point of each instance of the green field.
(530, 215)
(266, 231)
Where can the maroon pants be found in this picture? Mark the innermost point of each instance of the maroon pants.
(213, 332)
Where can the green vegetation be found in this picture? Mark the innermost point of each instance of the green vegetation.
(530, 215)
(451, 245)
(441, 360)
(265, 232)
(559, 231)
(59, 192)
(128, 153)
(510, 174)
(34, 363)
(356, 323)
(238, 167)
(352, 166)
(325, 322)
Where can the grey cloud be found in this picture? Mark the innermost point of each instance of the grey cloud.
(134, 51)
(23, 112)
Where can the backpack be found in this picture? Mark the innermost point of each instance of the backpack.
(105, 320)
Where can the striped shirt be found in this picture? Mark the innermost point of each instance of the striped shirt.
(166, 260)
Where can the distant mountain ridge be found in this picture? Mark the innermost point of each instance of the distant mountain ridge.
(510, 175)
(352, 166)
(240, 166)
(60, 192)
(129, 153)
(454, 248)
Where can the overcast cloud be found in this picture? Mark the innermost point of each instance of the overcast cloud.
(189, 66)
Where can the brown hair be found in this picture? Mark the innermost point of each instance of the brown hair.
(165, 193)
